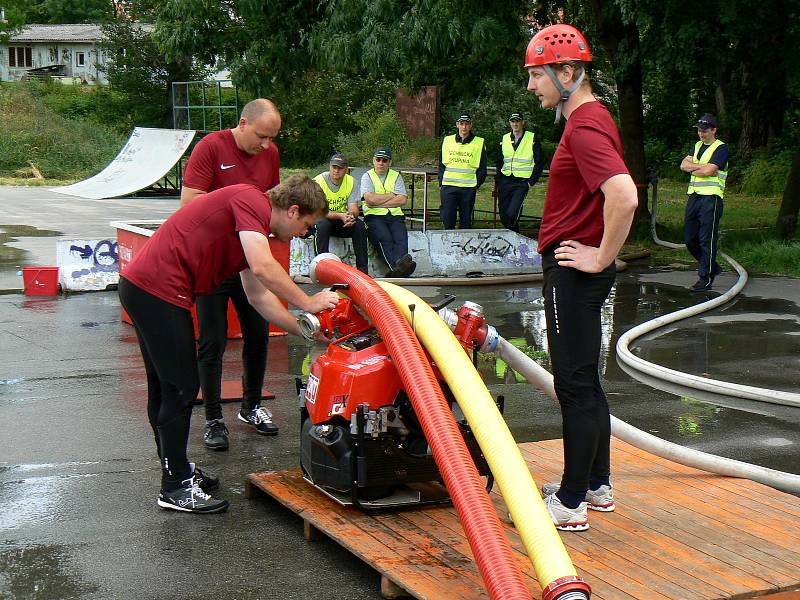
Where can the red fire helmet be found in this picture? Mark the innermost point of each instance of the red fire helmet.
(557, 43)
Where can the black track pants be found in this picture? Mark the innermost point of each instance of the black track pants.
(701, 231)
(166, 340)
(212, 323)
(573, 301)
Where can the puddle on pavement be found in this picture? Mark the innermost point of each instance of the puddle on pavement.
(752, 341)
(39, 572)
(13, 259)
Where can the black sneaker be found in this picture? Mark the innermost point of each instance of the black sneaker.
(216, 435)
(260, 418)
(404, 266)
(208, 483)
(191, 498)
(702, 285)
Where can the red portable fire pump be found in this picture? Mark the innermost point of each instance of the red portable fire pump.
(361, 441)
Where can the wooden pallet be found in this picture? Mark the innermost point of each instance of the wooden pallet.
(677, 533)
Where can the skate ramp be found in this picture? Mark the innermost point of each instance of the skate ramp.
(146, 157)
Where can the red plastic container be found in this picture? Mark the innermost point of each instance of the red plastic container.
(40, 281)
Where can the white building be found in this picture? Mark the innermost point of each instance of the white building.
(66, 51)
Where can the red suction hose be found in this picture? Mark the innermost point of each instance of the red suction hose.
(484, 532)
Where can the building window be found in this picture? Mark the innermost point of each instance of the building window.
(80, 59)
(20, 57)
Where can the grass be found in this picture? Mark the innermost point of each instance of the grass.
(747, 231)
(37, 139)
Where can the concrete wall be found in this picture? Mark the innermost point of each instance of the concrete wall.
(62, 53)
(448, 253)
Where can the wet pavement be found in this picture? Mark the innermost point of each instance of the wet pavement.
(78, 472)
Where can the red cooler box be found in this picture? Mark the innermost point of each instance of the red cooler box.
(131, 236)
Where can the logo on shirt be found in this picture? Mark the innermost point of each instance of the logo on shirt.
(223, 166)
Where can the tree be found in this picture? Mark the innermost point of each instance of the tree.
(457, 44)
(64, 11)
(790, 205)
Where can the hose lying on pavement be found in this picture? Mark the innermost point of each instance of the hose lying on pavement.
(660, 373)
(541, 378)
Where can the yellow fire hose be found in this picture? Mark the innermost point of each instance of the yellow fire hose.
(542, 542)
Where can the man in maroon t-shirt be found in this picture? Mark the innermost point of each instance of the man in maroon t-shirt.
(218, 235)
(245, 154)
(587, 214)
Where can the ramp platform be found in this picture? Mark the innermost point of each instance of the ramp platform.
(146, 157)
(677, 533)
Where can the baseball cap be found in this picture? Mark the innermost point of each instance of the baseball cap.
(338, 160)
(464, 117)
(382, 152)
(707, 121)
(516, 116)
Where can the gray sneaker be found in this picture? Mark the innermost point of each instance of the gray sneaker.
(601, 499)
(566, 519)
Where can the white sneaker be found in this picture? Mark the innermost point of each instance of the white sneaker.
(566, 519)
(601, 499)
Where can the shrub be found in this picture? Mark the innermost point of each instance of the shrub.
(60, 148)
(766, 176)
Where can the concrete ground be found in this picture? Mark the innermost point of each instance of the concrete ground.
(79, 476)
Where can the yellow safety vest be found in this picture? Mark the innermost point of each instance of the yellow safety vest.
(707, 186)
(383, 187)
(337, 201)
(519, 162)
(461, 161)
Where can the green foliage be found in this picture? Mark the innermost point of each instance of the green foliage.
(139, 69)
(377, 130)
(62, 11)
(330, 105)
(423, 42)
(766, 176)
(61, 149)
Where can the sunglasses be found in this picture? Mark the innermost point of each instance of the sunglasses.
(381, 160)
(704, 124)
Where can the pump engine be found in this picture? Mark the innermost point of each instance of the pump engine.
(361, 441)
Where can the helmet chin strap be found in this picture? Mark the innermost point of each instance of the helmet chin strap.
(565, 93)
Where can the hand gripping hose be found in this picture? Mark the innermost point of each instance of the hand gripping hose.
(491, 548)
(552, 564)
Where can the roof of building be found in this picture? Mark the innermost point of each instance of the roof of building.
(80, 32)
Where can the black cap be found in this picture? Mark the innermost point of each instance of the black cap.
(516, 116)
(338, 160)
(464, 118)
(707, 122)
(382, 152)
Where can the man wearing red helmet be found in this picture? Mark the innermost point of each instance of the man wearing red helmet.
(587, 214)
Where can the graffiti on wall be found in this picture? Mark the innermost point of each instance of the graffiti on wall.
(88, 264)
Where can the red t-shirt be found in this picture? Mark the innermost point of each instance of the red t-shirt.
(198, 247)
(590, 152)
(216, 162)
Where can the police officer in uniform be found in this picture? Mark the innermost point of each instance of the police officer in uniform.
(520, 165)
(708, 166)
(343, 209)
(462, 171)
(384, 194)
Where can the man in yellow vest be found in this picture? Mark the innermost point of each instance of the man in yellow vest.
(707, 164)
(343, 208)
(462, 170)
(384, 194)
(519, 166)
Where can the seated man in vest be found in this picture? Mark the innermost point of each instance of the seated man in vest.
(342, 219)
(519, 166)
(461, 172)
(384, 193)
(708, 166)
